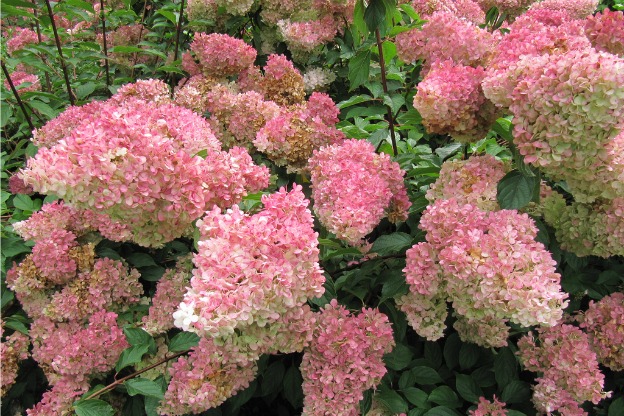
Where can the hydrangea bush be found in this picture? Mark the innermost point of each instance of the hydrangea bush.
(322, 207)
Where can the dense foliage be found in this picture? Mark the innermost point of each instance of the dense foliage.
(318, 207)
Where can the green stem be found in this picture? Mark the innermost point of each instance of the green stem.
(384, 84)
(17, 97)
(128, 377)
(72, 97)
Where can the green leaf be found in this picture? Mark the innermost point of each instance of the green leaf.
(26, 203)
(468, 388)
(617, 407)
(5, 113)
(389, 50)
(144, 387)
(451, 350)
(152, 273)
(391, 400)
(137, 336)
(394, 285)
(444, 396)
(375, 14)
(515, 190)
(504, 128)
(43, 108)
(272, 378)
(7, 297)
(505, 367)
(359, 68)
(399, 358)
(516, 392)
(125, 49)
(415, 396)
(468, 355)
(93, 407)
(84, 90)
(426, 375)
(442, 411)
(183, 341)
(358, 19)
(356, 99)
(292, 387)
(141, 260)
(409, 10)
(12, 246)
(17, 323)
(242, 397)
(131, 355)
(392, 243)
(169, 15)
(433, 353)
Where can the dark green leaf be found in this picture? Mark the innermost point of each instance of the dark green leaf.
(448, 150)
(137, 336)
(5, 113)
(442, 411)
(375, 14)
(505, 367)
(468, 388)
(617, 407)
(12, 246)
(451, 350)
(415, 396)
(444, 396)
(144, 387)
(244, 396)
(141, 260)
(292, 386)
(43, 108)
(399, 358)
(272, 378)
(515, 190)
(394, 285)
(7, 297)
(26, 203)
(433, 353)
(16, 323)
(93, 407)
(516, 392)
(426, 375)
(131, 355)
(152, 273)
(356, 99)
(504, 129)
(392, 243)
(183, 341)
(359, 68)
(468, 355)
(391, 400)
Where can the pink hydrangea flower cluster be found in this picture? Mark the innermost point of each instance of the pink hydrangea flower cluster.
(139, 164)
(59, 400)
(344, 360)
(306, 36)
(13, 349)
(169, 293)
(340, 171)
(252, 269)
(569, 368)
(437, 41)
(604, 322)
(489, 408)
(533, 34)
(61, 279)
(558, 117)
(217, 55)
(282, 82)
(587, 229)
(290, 138)
(208, 376)
(236, 118)
(152, 90)
(69, 350)
(488, 265)
(577, 9)
(17, 186)
(21, 37)
(451, 101)
(317, 79)
(23, 82)
(605, 30)
(466, 9)
(472, 181)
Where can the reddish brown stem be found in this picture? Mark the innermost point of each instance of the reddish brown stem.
(72, 97)
(17, 97)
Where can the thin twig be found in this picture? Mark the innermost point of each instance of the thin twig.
(384, 84)
(177, 42)
(72, 97)
(103, 18)
(40, 38)
(128, 377)
(136, 54)
(17, 97)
